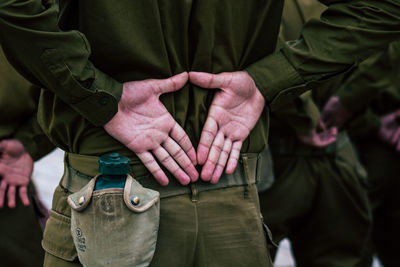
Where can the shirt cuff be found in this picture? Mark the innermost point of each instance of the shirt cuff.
(92, 93)
(275, 77)
(102, 105)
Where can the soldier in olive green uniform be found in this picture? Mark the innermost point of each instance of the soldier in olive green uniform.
(20, 232)
(317, 200)
(367, 124)
(87, 58)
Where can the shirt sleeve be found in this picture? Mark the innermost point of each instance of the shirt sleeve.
(302, 115)
(365, 124)
(347, 32)
(36, 143)
(57, 60)
(371, 77)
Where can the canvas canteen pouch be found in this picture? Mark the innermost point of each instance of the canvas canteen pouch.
(115, 226)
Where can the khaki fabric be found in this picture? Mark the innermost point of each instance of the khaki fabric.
(195, 228)
(97, 214)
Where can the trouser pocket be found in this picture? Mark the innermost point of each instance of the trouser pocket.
(115, 226)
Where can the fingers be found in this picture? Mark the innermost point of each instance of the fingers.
(11, 196)
(223, 158)
(23, 195)
(2, 145)
(3, 168)
(178, 134)
(207, 137)
(213, 157)
(234, 157)
(168, 162)
(181, 158)
(171, 84)
(207, 80)
(152, 165)
(3, 188)
(326, 138)
(395, 136)
(321, 126)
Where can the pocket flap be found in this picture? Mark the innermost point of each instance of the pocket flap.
(137, 198)
(79, 200)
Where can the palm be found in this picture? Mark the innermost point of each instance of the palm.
(16, 168)
(144, 125)
(235, 109)
(234, 116)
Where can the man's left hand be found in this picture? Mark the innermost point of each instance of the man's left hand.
(234, 111)
(389, 131)
(16, 167)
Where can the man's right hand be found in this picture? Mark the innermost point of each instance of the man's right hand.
(321, 136)
(389, 131)
(144, 125)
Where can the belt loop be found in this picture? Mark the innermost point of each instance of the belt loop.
(195, 193)
(246, 174)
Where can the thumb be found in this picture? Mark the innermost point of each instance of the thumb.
(171, 84)
(321, 125)
(208, 80)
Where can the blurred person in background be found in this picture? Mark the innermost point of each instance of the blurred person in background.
(367, 104)
(318, 200)
(22, 216)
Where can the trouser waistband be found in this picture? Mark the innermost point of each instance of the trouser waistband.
(79, 169)
(292, 146)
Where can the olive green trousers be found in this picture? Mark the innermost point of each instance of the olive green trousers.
(20, 234)
(383, 166)
(319, 202)
(220, 227)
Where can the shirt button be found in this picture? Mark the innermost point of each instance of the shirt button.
(104, 100)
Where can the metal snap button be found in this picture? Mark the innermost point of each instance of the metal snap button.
(135, 200)
(81, 200)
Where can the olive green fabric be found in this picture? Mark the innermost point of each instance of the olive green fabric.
(380, 160)
(18, 106)
(20, 231)
(84, 83)
(20, 234)
(379, 77)
(375, 79)
(319, 202)
(382, 164)
(15, 102)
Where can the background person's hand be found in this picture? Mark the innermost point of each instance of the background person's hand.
(144, 125)
(334, 114)
(16, 167)
(389, 131)
(319, 137)
(233, 113)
